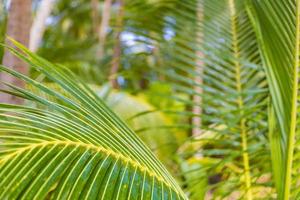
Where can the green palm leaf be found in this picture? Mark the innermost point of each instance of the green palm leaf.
(277, 24)
(234, 93)
(75, 148)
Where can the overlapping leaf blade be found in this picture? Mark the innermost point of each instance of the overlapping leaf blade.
(277, 25)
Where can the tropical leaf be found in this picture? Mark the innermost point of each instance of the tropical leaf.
(233, 92)
(277, 24)
(75, 149)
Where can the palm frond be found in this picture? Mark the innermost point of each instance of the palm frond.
(234, 91)
(279, 33)
(75, 148)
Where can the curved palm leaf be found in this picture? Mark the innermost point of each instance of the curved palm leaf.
(277, 24)
(74, 149)
(149, 124)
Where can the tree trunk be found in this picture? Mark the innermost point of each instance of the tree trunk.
(39, 24)
(197, 99)
(18, 27)
(103, 27)
(117, 48)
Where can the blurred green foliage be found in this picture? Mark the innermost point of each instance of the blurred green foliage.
(3, 16)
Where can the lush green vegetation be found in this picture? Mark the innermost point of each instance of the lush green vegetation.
(194, 99)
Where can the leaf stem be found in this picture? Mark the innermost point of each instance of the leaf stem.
(291, 139)
(240, 102)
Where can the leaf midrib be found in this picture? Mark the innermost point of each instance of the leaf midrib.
(291, 140)
(99, 149)
(240, 101)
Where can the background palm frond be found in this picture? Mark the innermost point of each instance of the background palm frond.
(233, 95)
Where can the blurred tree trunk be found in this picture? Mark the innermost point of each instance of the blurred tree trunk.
(18, 28)
(197, 99)
(117, 48)
(39, 24)
(103, 27)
